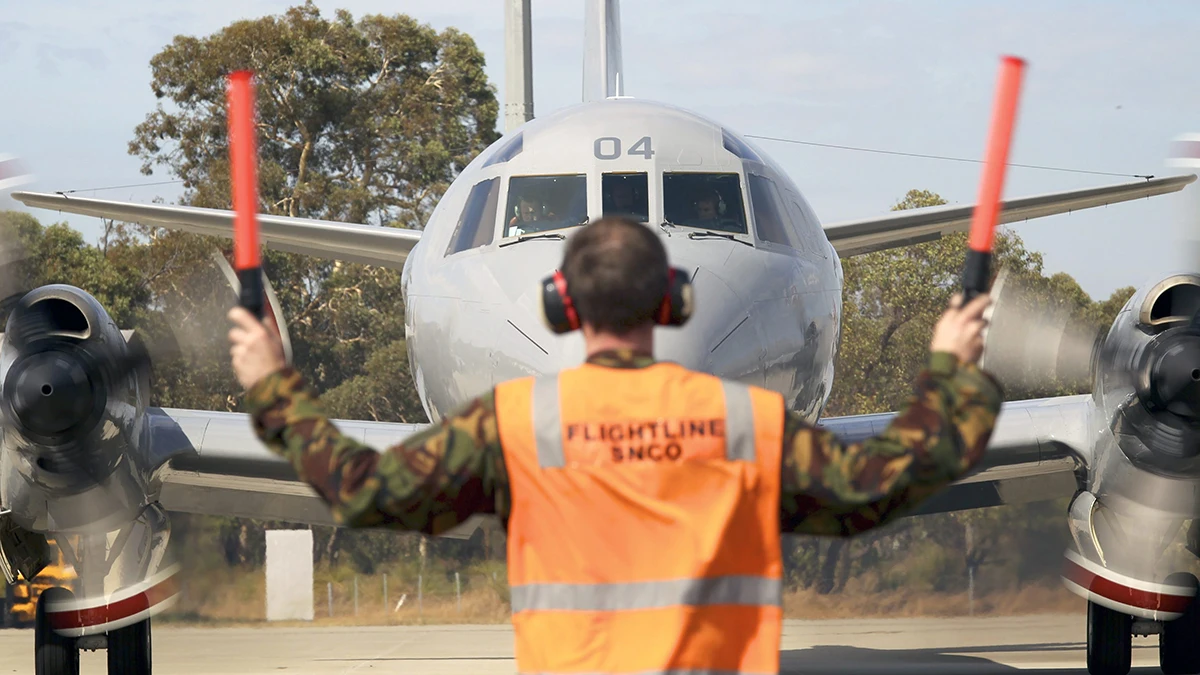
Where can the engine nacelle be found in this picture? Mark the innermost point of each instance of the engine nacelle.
(1147, 377)
(73, 396)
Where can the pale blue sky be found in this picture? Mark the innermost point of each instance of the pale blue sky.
(1109, 84)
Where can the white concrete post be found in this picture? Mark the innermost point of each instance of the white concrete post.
(289, 575)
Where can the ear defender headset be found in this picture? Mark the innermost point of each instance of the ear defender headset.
(561, 315)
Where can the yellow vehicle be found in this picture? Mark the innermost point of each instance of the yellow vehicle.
(20, 598)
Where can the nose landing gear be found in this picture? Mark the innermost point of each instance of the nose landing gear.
(56, 654)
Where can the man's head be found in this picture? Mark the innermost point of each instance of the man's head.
(617, 275)
(706, 206)
(529, 208)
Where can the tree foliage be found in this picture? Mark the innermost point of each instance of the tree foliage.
(364, 120)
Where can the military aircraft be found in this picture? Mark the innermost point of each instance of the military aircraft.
(106, 468)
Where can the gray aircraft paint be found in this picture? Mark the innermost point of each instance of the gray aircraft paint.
(766, 314)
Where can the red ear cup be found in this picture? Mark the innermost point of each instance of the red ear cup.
(560, 283)
(676, 307)
(558, 309)
(664, 309)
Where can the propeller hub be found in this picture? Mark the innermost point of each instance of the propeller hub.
(1170, 374)
(51, 394)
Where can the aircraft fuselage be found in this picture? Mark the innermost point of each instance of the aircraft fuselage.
(768, 283)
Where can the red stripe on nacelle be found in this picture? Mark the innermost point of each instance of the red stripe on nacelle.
(1118, 592)
(71, 619)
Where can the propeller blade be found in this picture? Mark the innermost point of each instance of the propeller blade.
(1032, 345)
(274, 308)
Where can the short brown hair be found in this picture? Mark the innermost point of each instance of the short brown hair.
(616, 272)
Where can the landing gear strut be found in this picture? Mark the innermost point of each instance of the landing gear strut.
(54, 654)
(1109, 641)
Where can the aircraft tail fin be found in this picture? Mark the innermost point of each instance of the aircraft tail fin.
(603, 74)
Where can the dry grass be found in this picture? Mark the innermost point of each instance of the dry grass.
(240, 599)
(1047, 599)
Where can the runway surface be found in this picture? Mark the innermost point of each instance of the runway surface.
(1037, 644)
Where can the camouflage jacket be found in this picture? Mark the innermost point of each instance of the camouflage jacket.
(435, 479)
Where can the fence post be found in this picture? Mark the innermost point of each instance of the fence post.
(970, 590)
(420, 596)
(355, 595)
(329, 591)
(457, 594)
(385, 604)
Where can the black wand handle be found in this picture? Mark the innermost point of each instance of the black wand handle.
(251, 296)
(977, 272)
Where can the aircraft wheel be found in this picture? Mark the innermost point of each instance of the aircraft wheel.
(1109, 641)
(53, 654)
(129, 649)
(1178, 653)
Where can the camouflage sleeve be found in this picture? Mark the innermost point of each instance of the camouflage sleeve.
(430, 482)
(831, 488)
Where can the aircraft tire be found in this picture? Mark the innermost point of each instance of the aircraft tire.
(129, 649)
(53, 654)
(1109, 641)
(1178, 653)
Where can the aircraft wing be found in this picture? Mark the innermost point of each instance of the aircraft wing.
(368, 244)
(212, 463)
(1032, 455)
(915, 226)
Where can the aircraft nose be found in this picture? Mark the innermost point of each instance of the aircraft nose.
(719, 338)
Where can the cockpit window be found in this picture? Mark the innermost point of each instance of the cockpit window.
(542, 203)
(739, 147)
(712, 201)
(477, 224)
(770, 213)
(625, 194)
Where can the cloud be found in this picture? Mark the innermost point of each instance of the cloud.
(50, 57)
(10, 38)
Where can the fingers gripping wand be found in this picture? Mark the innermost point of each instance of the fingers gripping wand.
(977, 271)
(243, 170)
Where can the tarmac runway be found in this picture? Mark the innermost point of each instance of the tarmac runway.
(1037, 644)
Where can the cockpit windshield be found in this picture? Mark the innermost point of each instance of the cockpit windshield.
(712, 201)
(624, 194)
(544, 203)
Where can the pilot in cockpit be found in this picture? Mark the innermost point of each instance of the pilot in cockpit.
(529, 211)
(708, 212)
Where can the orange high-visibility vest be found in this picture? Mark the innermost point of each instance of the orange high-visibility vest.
(644, 530)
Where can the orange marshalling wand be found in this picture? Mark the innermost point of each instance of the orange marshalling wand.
(977, 271)
(243, 168)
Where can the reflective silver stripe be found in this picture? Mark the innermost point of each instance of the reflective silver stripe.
(739, 422)
(547, 422)
(732, 590)
(673, 671)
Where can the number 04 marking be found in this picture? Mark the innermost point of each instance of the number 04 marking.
(609, 147)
